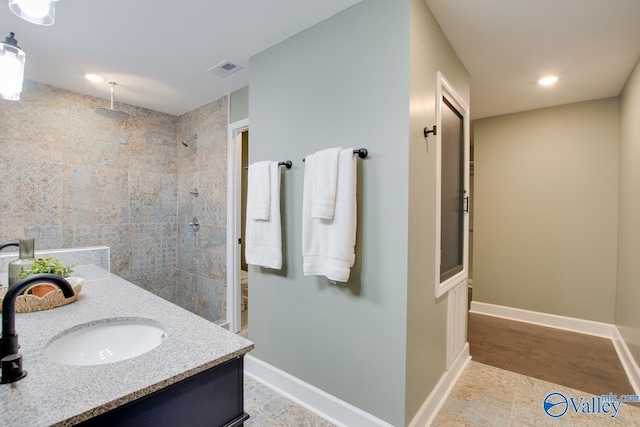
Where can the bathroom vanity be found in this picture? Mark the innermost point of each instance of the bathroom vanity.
(194, 377)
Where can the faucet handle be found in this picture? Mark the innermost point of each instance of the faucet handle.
(12, 369)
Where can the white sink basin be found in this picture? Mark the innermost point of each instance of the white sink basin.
(111, 340)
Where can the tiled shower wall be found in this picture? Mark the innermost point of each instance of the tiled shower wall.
(72, 178)
(203, 166)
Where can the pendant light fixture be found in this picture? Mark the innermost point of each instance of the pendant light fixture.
(11, 68)
(40, 12)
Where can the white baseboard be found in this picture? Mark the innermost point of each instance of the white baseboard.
(317, 401)
(628, 362)
(430, 408)
(589, 327)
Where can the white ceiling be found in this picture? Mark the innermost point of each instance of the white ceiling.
(507, 45)
(159, 51)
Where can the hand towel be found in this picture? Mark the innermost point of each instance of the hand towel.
(263, 238)
(259, 190)
(323, 165)
(328, 245)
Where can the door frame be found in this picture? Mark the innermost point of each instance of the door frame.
(446, 90)
(234, 181)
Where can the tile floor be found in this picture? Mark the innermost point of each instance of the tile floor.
(488, 396)
(270, 409)
(484, 396)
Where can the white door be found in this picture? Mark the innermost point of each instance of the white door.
(452, 204)
(452, 216)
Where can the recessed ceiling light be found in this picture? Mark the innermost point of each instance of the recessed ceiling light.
(94, 78)
(548, 80)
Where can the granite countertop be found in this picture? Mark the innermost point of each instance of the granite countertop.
(62, 395)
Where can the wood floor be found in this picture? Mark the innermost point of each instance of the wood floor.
(582, 362)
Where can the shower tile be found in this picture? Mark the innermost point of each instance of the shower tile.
(123, 184)
(94, 195)
(212, 150)
(153, 197)
(162, 282)
(187, 127)
(153, 248)
(186, 257)
(211, 205)
(213, 115)
(206, 299)
(210, 252)
(155, 152)
(185, 289)
(115, 236)
(39, 144)
(47, 236)
(99, 143)
(29, 196)
(185, 200)
(221, 292)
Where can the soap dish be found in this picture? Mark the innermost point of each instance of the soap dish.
(43, 296)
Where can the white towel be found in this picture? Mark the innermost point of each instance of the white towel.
(263, 238)
(324, 167)
(328, 245)
(259, 190)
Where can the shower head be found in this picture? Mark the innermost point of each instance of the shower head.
(111, 113)
(186, 142)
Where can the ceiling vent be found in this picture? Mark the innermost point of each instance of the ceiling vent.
(224, 69)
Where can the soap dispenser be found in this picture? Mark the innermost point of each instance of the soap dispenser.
(25, 260)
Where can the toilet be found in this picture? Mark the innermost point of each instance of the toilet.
(244, 285)
(244, 278)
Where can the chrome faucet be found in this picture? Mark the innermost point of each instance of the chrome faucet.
(10, 360)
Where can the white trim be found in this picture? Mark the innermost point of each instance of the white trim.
(589, 327)
(446, 90)
(430, 408)
(626, 358)
(234, 166)
(315, 400)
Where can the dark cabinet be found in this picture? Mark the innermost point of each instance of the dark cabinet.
(211, 398)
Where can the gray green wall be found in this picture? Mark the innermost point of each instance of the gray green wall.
(546, 210)
(628, 295)
(343, 82)
(426, 317)
(239, 105)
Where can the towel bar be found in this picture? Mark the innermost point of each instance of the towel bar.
(288, 164)
(361, 152)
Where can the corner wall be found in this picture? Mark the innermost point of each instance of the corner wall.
(71, 178)
(545, 231)
(426, 316)
(201, 285)
(628, 291)
(343, 82)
